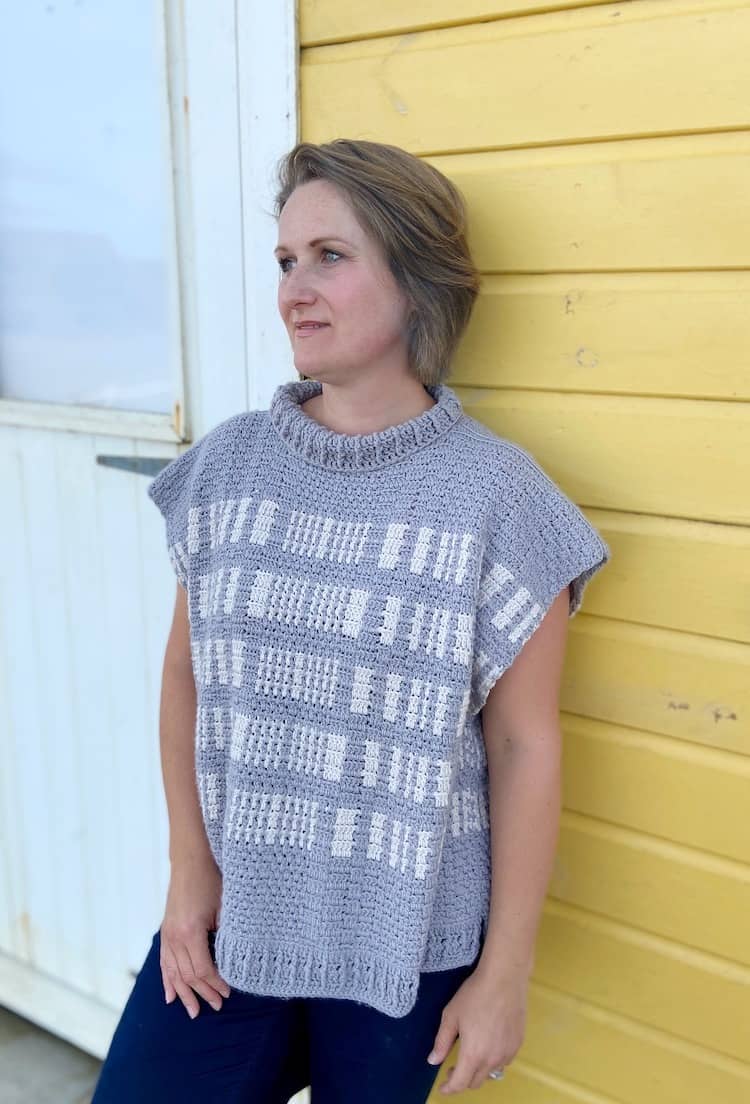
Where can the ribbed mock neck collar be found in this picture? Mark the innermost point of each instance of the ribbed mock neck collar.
(320, 445)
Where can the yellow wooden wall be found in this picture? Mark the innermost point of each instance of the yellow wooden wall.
(604, 150)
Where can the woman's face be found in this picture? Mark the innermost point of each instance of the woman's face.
(332, 273)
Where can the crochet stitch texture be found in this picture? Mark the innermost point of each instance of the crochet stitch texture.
(352, 600)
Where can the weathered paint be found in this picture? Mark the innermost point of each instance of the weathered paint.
(603, 150)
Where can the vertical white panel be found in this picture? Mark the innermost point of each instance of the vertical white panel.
(269, 127)
(36, 625)
(129, 548)
(25, 836)
(83, 692)
(208, 196)
(233, 77)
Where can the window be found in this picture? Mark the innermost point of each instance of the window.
(84, 211)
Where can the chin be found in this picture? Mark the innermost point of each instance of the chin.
(314, 368)
(312, 371)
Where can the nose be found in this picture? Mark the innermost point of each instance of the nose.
(297, 288)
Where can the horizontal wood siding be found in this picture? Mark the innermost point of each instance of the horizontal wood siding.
(604, 151)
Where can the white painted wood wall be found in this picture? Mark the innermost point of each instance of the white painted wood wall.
(85, 585)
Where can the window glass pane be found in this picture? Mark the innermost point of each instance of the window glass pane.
(83, 179)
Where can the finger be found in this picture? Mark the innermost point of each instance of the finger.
(216, 980)
(196, 967)
(171, 971)
(446, 1086)
(169, 990)
(209, 982)
(189, 977)
(482, 1074)
(460, 1076)
(188, 997)
(444, 1040)
(168, 971)
(218, 983)
(221, 985)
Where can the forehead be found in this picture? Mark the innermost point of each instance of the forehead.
(318, 208)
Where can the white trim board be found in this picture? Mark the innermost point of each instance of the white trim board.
(268, 65)
(234, 78)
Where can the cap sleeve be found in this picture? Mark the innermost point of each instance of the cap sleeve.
(537, 542)
(174, 490)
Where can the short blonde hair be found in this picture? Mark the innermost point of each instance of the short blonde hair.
(418, 218)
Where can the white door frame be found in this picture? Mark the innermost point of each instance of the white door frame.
(235, 111)
(268, 52)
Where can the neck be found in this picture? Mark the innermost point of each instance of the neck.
(399, 437)
(366, 407)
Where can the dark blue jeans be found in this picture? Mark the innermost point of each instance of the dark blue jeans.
(262, 1050)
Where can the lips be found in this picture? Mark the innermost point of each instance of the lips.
(308, 329)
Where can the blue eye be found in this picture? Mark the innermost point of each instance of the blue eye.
(283, 261)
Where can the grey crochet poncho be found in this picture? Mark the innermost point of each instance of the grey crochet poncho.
(352, 600)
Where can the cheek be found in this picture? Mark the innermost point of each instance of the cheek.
(368, 306)
(384, 317)
(374, 330)
(348, 296)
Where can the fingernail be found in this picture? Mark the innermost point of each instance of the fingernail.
(193, 1013)
(216, 1006)
(432, 1058)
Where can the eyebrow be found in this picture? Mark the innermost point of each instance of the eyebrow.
(315, 241)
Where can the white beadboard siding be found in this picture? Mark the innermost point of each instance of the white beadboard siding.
(86, 589)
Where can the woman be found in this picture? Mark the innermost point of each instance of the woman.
(363, 813)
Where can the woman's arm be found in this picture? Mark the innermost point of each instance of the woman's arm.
(520, 721)
(195, 885)
(187, 834)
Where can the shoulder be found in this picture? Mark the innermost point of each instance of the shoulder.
(227, 441)
(520, 494)
(197, 467)
(506, 464)
(236, 428)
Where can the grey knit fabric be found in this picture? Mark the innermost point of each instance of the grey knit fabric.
(352, 600)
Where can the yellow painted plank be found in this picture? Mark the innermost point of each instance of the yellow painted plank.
(669, 986)
(677, 457)
(601, 1052)
(690, 687)
(614, 205)
(677, 333)
(523, 1084)
(673, 891)
(657, 562)
(588, 73)
(673, 790)
(341, 21)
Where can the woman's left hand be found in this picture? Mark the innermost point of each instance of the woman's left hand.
(488, 1012)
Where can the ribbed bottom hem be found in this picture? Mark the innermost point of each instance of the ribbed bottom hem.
(283, 970)
(453, 947)
(304, 971)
